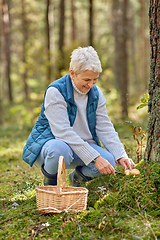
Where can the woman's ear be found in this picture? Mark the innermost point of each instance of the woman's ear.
(72, 74)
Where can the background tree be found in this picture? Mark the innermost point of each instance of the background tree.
(91, 22)
(7, 44)
(48, 41)
(1, 67)
(143, 44)
(24, 48)
(73, 32)
(61, 35)
(120, 31)
(153, 141)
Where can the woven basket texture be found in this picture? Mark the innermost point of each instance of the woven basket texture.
(57, 199)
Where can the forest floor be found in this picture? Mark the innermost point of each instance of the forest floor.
(119, 207)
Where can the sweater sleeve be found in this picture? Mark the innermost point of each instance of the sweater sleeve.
(56, 113)
(106, 132)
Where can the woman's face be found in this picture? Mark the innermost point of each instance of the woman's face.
(85, 80)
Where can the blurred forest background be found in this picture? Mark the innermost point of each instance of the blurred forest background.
(37, 38)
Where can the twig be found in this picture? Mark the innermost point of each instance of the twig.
(150, 227)
(134, 210)
(77, 223)
(145, 218)
(145, 196)
(17, 215)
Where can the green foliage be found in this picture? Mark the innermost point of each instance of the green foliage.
(144, 101)
(140, 193)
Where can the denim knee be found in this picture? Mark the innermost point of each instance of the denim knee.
(52, 150)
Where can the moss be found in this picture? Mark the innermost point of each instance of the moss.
(140, 192)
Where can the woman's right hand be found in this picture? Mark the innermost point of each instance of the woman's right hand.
(104, 166)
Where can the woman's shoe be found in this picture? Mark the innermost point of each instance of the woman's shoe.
(49, 179)
(76, 178)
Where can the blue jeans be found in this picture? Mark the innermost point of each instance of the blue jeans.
(53, 149)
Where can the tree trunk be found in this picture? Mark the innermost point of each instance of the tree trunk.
(143, 45)
(1, 71)
(73, 34)
(132, 38)
(153, 139)
(120, 31)
(91, 22)
(48, 43)
(61, 35)
(24, 51)
(7, 52)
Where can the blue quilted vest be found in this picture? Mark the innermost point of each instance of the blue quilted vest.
(41, 132)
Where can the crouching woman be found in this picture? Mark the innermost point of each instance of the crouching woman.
(72, 122)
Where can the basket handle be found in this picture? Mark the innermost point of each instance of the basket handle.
(61, 169)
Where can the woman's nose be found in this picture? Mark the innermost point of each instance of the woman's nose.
(90, 84)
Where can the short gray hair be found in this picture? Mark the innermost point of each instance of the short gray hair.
(83, 59)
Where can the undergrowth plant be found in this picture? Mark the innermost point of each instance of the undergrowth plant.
(139, 136)
(144, 101)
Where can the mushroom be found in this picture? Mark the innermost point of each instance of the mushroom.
(127, 172)
(135, 172)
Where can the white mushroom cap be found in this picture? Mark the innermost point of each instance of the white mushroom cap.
(135, 172)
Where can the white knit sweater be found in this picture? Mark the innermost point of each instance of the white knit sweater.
(78, 136)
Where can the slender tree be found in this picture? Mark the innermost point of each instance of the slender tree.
(153, 140)
(7, 44)
(73, 33)
(120, 32)
(49, 71)
(133, 47)
(143, 45)
(91, 22)
(1, 67)
(61, 35)
(24, 49)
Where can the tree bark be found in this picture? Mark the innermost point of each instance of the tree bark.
(143, 45)
(49, 71)
(24, 51)
(153, 139)
(132, 38)
(7, 51)
(73, 34)
(1, 69)
(61, 35)
(91, 22)
(120, 31)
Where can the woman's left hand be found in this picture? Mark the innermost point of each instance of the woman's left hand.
(126, 162)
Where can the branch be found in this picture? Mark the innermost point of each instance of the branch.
(17, 215)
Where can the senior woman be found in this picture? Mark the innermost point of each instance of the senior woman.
(72, 122)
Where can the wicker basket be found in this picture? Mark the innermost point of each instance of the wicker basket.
(56, 199)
